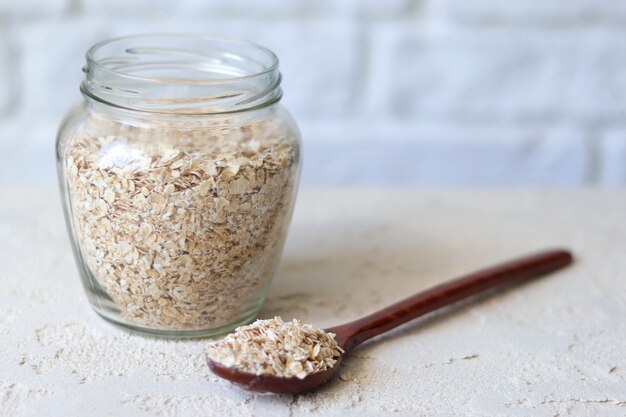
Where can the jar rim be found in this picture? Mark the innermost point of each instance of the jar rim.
(181, 73)
(91, 59)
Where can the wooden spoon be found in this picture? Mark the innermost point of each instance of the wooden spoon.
(352, 334)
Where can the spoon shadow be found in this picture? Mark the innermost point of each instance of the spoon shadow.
(311, 287)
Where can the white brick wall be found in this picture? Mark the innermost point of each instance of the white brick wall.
(436, 155)
(533, 12)
(612, 170)
(8, 90)
(498, 75)
(394, 92)
(27, 9)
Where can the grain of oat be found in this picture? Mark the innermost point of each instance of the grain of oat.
(275, 347)
(181, 227)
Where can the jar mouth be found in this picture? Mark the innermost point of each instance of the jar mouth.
(181, 74)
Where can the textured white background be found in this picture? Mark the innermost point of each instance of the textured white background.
(551, 347)
(394, 92)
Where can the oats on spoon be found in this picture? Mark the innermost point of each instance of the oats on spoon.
(275, 347)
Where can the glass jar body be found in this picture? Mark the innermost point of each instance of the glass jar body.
(177, 224)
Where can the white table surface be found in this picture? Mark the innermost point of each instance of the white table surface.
(555, 346)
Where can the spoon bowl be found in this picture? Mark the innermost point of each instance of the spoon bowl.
(271, 383)
(352, 334)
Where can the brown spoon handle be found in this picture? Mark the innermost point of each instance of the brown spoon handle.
(351, 334)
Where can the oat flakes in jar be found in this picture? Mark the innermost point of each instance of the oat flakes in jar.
(178, 172)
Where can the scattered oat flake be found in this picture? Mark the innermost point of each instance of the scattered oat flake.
(346, 377)
(468, 357)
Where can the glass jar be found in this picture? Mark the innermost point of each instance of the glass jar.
(178, 172)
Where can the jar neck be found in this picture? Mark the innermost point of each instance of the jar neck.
(181, 75)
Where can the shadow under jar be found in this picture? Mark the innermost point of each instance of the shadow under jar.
(178, 172)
